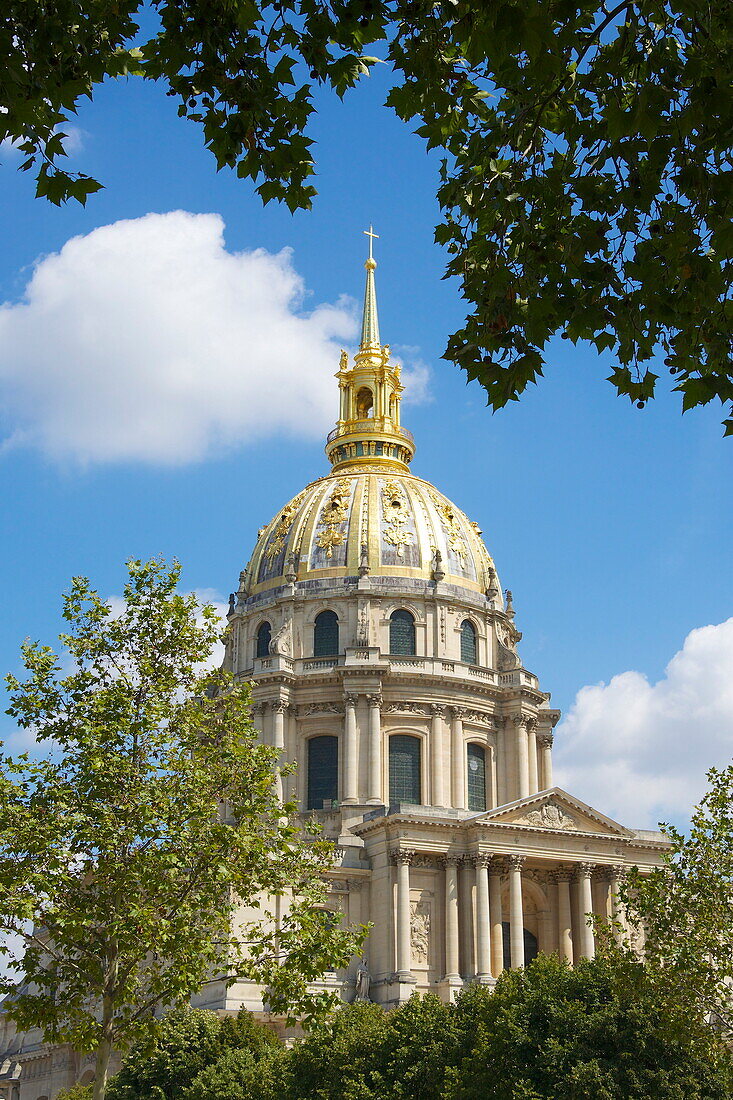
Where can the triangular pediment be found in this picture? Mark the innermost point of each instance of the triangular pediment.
(557, 810)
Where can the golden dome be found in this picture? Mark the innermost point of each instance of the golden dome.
(370, 515)
(369, 519)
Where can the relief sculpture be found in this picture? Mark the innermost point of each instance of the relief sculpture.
(420, 932)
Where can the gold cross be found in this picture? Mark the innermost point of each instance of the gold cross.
(368, 233)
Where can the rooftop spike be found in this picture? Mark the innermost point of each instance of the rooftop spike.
(370, 321)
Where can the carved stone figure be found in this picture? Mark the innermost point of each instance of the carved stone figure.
(281, 643)
(420, 932)
(363, 979)
(550, 816)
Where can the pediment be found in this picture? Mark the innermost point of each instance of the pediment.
(557, 810)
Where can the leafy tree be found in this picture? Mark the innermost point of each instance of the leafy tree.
(126, 851)
(685, 906)
(189, 1041)
(77, 1092)
(596, 1031)
(586, 183)
(237, 1075)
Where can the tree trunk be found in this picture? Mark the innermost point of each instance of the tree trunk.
(104, 1050)
(101, 1070)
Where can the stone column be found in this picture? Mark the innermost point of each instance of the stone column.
(354, 886)
(587, 943)
(350, 761)
(466, 955)
(522, 755)
(458, 758)
(533, 763)
(483, 918)
(564, 915)
(516, 911)
(403, 859)
(450, 863)
(291, 752)
(374, 770)
(278, 741)
(545, 743)
(497, 917)
(437, 784)
(258, 710)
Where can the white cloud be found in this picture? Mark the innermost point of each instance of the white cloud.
(74, 138)
(146, 340)
(639, 751)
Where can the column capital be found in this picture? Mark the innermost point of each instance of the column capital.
(562, 875)
(515, 863)
(257, 709)
(351, 698)
(402, 856)
(526, 721)
(438, 709)
(279, 706)
(374, 699)
(458, 713)
(451, 859)
(545, 739)
(585, 870)
(482, 859)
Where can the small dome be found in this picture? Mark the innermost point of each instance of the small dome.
(376, 520)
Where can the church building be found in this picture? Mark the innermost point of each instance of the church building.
(384, 662)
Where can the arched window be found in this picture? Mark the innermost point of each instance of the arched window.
(468, 642)
(323, 771)
(530, 946)
(364, 403)
(476, 761)
(404, 769)
(402, 633)
(326, 634)
(264, 636)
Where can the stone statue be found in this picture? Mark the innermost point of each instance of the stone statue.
(280, 643)
(438, 571)
(361, 984)
(364, 566)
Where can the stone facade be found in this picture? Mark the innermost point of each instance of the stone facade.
(384, 663)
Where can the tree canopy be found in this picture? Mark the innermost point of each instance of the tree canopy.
(126, 852)
(586, 180)
(685, 907)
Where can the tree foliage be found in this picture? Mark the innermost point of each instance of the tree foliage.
(686, 907)
(125, 853)
(599, 1031)
(587, 177)
(193, 1046)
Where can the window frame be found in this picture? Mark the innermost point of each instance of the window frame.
(335, 765)
(401, 614)
(418, 780)
(260, 629)
(318, 650)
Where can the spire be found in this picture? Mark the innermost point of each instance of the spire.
(368, 428)
(370, 321)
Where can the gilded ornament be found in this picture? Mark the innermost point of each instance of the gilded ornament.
(396, 513)
(451, 526)
(280, 534)
(334, 516)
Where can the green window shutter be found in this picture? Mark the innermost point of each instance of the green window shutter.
(264, 635)
(404, 769)
(402, 633)
(468, 642)
(476, 762)
(326, 635)
(323, 771)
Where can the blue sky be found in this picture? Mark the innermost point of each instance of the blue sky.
(611, 525)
